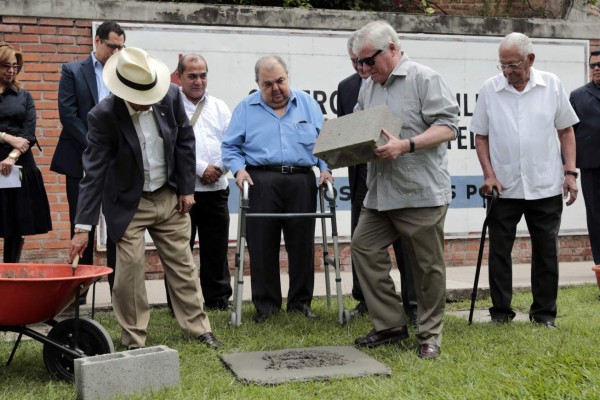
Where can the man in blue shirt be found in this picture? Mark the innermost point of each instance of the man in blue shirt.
(269, 143)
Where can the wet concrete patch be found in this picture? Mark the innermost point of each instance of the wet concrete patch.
(311, 363)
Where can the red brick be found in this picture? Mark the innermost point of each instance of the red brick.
(42, 86)
(39, 48)
(50, 95)
(52, 77)
(46, 105)
(85, 41)
(31, 58)
(55, 244)
(73, 49)
(19, 20)
(58, 58)
(28, 77)
(36, 95)
(42, 30)
(83, 23)
(75, 31)
(49, 114)
(22, 38)
(10, 28)
(59, 39)
(56, 22)
(46, 67)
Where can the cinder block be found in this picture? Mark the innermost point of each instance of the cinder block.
(128, 372)
(350, 140)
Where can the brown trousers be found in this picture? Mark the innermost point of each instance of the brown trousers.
(170, 231)
(422, 232)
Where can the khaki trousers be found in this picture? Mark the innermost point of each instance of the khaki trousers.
(422, 232)
(170, 231)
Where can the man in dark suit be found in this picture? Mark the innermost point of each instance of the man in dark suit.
(586, 103)
(357, 175)
(79, 90)
(140, 168)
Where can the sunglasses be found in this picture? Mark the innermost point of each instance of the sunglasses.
(113, 46)
(594, 65)
(370, 61)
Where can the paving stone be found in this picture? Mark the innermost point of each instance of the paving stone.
(350, 140)
(311, 363)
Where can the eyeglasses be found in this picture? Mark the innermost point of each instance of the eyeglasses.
(113, 46)
(594, 65)
(510, 67)
(370, 61)
(16, 67)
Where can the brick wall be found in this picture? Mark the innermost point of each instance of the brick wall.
(47, 43)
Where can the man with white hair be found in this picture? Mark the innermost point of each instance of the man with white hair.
(518, 116)
(140, 167)
(347, 94)
(409, 190)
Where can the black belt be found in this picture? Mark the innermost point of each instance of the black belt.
(284, 169)
(150, 192)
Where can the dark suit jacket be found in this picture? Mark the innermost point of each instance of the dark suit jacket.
(347, 95)
(113, 160)
(77, 95)
(586, 102)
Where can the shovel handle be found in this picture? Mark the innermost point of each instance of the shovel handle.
(75, 262)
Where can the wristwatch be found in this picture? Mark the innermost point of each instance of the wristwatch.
(13, 156)
(79, 230)
(412, 145)
(572, 173)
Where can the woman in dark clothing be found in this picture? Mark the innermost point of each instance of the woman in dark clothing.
(23, 210)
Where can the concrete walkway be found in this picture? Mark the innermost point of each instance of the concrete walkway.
(459, 283)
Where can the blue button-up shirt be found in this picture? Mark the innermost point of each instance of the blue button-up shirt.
(102, 89)
(258, 136)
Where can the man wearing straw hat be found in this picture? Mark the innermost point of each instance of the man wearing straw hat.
(139, 167)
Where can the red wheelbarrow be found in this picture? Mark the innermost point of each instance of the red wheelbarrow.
(37, 293)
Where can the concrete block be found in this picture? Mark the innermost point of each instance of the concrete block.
(350, 140)
(134, 371)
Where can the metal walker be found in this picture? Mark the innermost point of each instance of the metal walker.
(343, 316)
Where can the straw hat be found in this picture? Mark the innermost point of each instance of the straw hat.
(136, 76)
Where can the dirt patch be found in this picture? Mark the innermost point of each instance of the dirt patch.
(299, 359)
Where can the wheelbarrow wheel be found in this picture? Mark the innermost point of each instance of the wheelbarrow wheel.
(93, 340)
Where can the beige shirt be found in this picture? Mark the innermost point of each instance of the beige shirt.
(420, 98)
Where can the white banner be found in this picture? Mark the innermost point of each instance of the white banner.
(317, 61)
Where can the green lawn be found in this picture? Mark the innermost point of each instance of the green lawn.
(482, 361)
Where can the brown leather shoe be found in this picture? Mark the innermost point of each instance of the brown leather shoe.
(385, 336)
(429, 351)
(210, 340)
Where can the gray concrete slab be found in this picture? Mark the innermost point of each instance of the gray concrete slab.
(310, 363)
(350, 140)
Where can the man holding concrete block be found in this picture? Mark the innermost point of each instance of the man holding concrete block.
(409, 189)
(357, 175)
